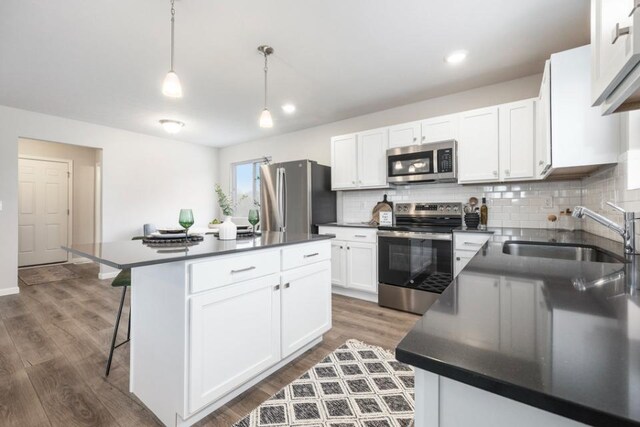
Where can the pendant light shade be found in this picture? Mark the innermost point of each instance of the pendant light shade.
(265, 119)
(171, 86)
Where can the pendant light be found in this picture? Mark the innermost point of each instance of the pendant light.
(265, 118)
(171, 126)
(171, 86)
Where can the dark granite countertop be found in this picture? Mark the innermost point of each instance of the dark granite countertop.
(134, 253)
(348, 224)
(521, 327)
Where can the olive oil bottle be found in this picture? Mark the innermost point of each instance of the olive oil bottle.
(484, 213)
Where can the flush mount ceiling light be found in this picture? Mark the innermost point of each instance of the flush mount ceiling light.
(456, 57)
(171, 126)
(171, 86)
(265, 118)
(289, 108)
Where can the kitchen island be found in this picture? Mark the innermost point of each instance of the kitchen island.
(530, 340)
(214, 318)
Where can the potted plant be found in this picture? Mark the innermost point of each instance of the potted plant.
(227, 230)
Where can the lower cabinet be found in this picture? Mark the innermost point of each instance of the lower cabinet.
(306, 305)
(354, 265)
(234, 335)
(465, 246)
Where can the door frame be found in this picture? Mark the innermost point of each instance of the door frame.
(69, 163)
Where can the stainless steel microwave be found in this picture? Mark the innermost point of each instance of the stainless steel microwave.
(435, 162)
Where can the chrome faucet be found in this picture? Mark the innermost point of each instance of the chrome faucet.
(627, 231)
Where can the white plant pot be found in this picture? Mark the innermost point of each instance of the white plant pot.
(227, 230)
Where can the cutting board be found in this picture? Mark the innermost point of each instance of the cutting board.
(383, 206)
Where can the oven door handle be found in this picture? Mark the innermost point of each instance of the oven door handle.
(415, 235)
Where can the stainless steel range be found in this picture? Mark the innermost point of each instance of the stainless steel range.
(415, 256)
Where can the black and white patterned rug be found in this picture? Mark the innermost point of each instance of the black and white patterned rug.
(358, 385)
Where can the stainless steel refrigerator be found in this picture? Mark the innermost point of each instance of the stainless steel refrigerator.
(296, 196)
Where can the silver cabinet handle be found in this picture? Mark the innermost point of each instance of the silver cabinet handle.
(415, 139)
(458, 258)
(287, 285)
(495, 173)
(313, 254)
(473, 244)
(341, 247)
(360, 235)
(636, 5)
(424, 138)
(619, 32)
(242, 270)
(348, 248)
(541, 162)
(353, 182)
(506, 172)
(276, 287)
(359, 182)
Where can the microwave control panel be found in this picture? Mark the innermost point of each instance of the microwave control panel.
(445, 160)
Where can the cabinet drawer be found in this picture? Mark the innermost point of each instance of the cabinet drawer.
(352, 234)
(225, 270)
(301, 255)
(470, 241)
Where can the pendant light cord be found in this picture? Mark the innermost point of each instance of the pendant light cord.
(173, 19)
(265, 80)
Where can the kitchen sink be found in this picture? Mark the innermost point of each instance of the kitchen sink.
(565, 251)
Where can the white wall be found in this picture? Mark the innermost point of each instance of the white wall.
(314, 143)
(145, 178)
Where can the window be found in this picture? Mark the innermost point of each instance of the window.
(245, 185)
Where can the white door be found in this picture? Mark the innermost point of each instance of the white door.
(517, 135)
(43, 211)
(439, 129)
(543, 124)
(614, 54)
(372, 158)
(344, 161)
(218, 360)
(478, 146)
(362, 266)
(306, 305)
(404, 135)
(338, 263)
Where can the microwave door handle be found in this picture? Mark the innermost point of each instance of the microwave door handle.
(435, 161)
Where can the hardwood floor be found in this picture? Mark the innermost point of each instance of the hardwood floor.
(54, 341)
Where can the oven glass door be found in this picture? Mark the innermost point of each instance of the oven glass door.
(419, 263)
(421, 163)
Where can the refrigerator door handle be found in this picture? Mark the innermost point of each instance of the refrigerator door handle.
(279, 199)
(283, 211)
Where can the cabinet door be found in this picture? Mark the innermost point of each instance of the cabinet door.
(439, 129)
(404, 134)
(234, 334)
(516, 140)
(338, 263)
(362, 266)
(344, 160)
(372, 158)
(306, 305)
(612, 58)
(543, 124)
(478, 147)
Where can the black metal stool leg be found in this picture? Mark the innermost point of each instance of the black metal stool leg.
(115, 330)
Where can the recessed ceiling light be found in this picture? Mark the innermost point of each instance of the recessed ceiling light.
(456, 57)
(289, 108)
(172, 126)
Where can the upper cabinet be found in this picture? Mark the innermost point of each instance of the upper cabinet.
(543, 125)
(517, 136)
(435, 129)
(581, 138)
(358, 161)
(478, 146)
(615, 74)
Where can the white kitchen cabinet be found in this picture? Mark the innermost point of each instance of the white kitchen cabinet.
(306, 305)
(581, 138)
(404, 135)
(543, 125)
(517, 140)
(362, 266)
(344, 158)
(338, 263)
(478, 146)
(234, 335)
(438, 129)
(615, 75)
(372, 158)
(465, 246)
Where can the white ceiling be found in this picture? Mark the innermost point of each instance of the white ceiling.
(104, 61)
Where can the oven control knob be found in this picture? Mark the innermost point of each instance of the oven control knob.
(456, 209)
(448, 208)
(441, 208)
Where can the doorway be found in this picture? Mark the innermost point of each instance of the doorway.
(58, 200)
